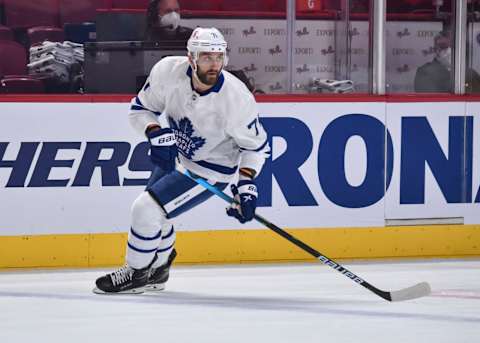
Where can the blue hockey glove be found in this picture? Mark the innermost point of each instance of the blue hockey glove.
(245, 193)
(163, 148)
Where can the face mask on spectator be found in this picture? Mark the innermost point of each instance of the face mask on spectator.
(170, 20)
(444, 56)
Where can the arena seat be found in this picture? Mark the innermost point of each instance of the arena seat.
(332, 5)
(77, 12)
(14, 58)
(306, 6)
(195, 5)
(318, 6)
(408, 6)
(246, 5)
(27, 13)
(5, 33)
(39, 34)
(21, 84)
(140, 4)
(279, 5)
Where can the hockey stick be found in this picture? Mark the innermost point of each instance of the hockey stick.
(413, 292)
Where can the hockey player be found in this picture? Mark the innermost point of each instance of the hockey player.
(214, 130)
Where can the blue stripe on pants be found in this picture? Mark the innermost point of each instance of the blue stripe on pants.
(165, 187)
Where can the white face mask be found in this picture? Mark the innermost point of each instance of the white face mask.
(170, 20)
(444, 56)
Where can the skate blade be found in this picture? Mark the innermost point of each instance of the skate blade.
(155, 288)
(140, 290)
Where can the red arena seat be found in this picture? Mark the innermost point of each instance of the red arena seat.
(195, 5)
(14, 58)
(39, 34)
(246, 5)
(21, 84)
(140, 4)
(332, 5)
(408, 6)
(5, 33)
(27, 13)
(306, 6)
(279, 5)
(77, 12)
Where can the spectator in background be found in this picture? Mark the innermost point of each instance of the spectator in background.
(163, 19)
(437, 75)
(163, 22)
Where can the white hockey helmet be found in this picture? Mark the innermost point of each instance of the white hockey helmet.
(206, 40)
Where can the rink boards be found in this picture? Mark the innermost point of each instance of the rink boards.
(355, 179)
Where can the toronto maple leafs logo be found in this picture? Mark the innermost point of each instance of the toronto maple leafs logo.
(187, 143)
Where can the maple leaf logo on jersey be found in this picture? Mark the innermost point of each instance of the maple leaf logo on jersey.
(187, 143)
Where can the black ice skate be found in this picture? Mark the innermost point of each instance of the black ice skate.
(126, 280)
(159, 276)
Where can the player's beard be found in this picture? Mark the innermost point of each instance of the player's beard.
(207, 77)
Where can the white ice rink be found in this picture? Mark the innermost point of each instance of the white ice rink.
(251, 303)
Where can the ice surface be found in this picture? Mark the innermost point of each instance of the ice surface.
(249, 303)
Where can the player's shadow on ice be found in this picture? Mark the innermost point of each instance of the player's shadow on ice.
(305, 305)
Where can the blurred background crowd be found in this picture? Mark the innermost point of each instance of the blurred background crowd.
(109, 46)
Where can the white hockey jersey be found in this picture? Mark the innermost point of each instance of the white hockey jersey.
(217, 131)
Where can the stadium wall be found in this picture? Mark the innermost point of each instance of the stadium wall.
(353, 176)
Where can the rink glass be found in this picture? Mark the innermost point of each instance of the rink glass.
(278, 46)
